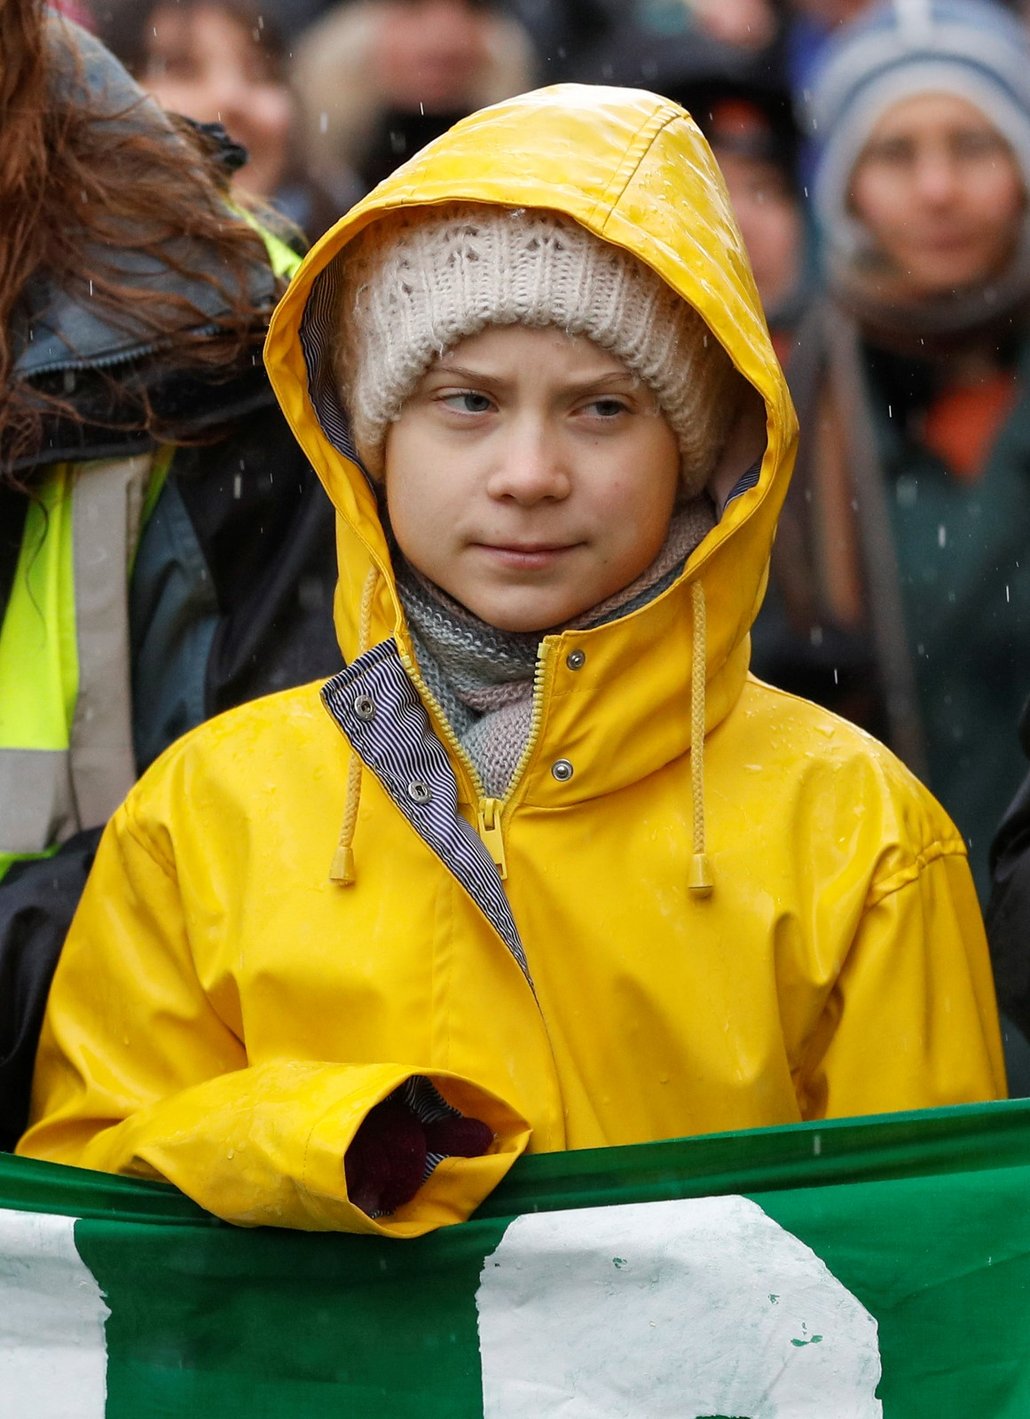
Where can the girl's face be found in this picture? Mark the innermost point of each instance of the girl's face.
(530, 476)
(940, 192)
(205, 63)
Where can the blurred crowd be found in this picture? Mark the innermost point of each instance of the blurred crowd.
(878, 160)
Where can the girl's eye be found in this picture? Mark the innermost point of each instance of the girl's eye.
(468, 401)
(606, 408)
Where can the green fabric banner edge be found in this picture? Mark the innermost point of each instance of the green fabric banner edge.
(965, 1137)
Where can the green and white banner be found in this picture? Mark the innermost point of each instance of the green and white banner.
(841, 1271)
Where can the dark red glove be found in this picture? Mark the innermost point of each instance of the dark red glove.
(386, 1161)
(458, 1137)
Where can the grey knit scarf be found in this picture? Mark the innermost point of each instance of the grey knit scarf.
(482, 677)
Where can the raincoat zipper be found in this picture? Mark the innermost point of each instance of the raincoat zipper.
(488, 809)
(537, 713)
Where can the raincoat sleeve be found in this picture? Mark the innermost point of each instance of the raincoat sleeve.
(912, 1021)
(144, 1071)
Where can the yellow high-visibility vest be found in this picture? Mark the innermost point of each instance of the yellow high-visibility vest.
(66, 755)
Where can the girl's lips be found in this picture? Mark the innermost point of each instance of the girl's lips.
(530, 556)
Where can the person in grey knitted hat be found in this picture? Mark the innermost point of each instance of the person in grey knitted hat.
(910, 495)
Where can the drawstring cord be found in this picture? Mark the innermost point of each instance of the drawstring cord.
(342, 871)
(700, 881)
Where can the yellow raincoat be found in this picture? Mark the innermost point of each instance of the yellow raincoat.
(777, 928)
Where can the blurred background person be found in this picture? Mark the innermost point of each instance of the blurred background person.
(165, 549)
(748, 24)
(225, 61)
(747, 114)
(378, 79)
(905, 539)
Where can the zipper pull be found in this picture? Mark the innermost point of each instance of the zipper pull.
(489, 815)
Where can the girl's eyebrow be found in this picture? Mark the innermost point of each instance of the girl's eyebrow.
(610, 378)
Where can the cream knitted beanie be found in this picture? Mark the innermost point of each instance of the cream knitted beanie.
(417, 283)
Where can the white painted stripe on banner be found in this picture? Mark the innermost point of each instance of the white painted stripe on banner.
(53, 1353)
(670, 1310)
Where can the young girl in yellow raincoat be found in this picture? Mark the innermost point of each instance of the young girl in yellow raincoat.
(543, 867)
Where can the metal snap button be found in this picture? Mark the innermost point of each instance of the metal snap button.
(576, 659)
(364, 707)
(562, 770)
(419, 791)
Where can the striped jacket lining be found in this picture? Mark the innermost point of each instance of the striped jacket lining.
(395, 739)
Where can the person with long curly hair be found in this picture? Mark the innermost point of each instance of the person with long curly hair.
(164, 553)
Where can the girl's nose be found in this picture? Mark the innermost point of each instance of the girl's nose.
(530, 468)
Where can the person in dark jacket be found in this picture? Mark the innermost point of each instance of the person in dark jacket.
(164, 550)
(904, 538)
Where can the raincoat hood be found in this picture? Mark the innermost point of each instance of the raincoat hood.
(633, 169)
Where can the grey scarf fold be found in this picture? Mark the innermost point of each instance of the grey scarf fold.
(482, 677)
